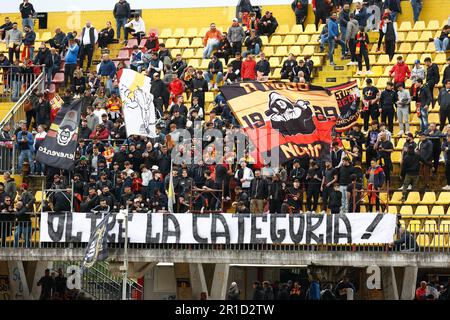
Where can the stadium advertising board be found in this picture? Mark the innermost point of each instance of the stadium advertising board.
(351, 228)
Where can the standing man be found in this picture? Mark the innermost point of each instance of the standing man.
(108, 70)
(321, 10)
(89, 37)
(259, 193)
(400, 71)
(25, 145)
(444, 102)
(425, 151)
(235, 36)
(28, 43)
(121, 12)
(385, 148)
(390, 36)
(446, 149)
(4, 28)
(13, 42)
(432, 78)
(44, 57)
(424, 99)
(329, 179)
(388, 99)
(27, 12)
(351, 31)
(345, 172)
(371, 97)
(344, 18)
(333, 38)
(300, 8)
(71, 61)
(417, 8)
(410, 170)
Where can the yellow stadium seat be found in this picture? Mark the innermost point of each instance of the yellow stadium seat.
(381, 84)
(319, 30)
(317, 61)
(430, 47)
(448, 211)
(188, 53)
(419, 26)
(440, 58)
(178, 33)
(303, 39)
(191, 33)
(296, 29)
(400, 143)
(275, 41)
(423, 240)
(396, 156)
(419, 47)
(167, 33)
(437, 211)
(289, 40)
(433, 117)
(264, 40)
(392, 209)
(406, 210)
(197, 43)
(438, 241)
(429, 198)
(405, 26)
(308, 51)
(444, 227)
(425, 36)
(444, 198)
(411, 58)
(372, 59)
(194, 63)
(295, 50)
(204, 64)
(421, 210)
(383, 59)
(281, 51)
(412, 36)
(401, 37)
(171, 43)
(183, 43)
(413, 198)
(414, 226)
(274, 62)
(268, 51)
(45, 36)
(276, 74)
(405, 47)
(199, 53)
(396, 198)
(362, 209)
(282, 29)
(433, 25)
(310, 29)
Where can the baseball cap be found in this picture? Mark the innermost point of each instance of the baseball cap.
(235, 20)
(155, 167)
(417, 61)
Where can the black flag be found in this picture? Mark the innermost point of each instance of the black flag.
(97, 249)
(59, 146)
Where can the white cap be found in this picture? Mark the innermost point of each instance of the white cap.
(235, 20)
(155, 167)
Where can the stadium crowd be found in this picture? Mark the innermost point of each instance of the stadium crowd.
(114, 172)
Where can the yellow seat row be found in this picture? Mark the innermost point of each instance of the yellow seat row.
(413, 197)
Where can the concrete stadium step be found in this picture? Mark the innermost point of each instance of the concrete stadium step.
(5, 107)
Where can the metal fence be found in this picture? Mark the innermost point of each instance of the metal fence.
(15, 81)
(8, 156)
(424, 234)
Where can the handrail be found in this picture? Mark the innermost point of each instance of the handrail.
(23, 98)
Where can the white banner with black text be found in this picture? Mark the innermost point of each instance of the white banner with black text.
(351, 228)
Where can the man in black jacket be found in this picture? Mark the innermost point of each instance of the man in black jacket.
(432, 78)
(444, 103)
(407, 241)
(446, 75)
(388, 99)
(321, 10)
(258, 293)
(288, 67)
(410, 170)
(259, 192)
(160, 93)
(44, 57)
(121, 13)
(313, 182)
(198, 88)
(425, 151)
(262, 67)
(300, 8)
(27, 12)
(5, 28)
(267, 25)
(424, 100)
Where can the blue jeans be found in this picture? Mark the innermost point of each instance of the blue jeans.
(23, 229)
(108, 84)
(331, 44)
(210, 46)
(209, 77)
(417, 8)
(394, 16)
(26, 154)
(343, 32)
(49, 75)
(16, 89)
(323, 40)
(441, 45)
(255, 51)
(120, 23)
(27, 22)
(423, 119)
(344, 203)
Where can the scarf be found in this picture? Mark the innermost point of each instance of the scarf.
(360, 39)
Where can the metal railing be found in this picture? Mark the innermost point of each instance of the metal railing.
(17, 112)
(425, 233)
(8, 156)
(15, 82)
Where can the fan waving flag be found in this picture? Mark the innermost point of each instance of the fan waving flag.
(139, 111)
(97, 248)
(59, 146)
(292, 119)
(348, 99)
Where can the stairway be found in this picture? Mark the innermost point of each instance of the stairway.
(98, 282)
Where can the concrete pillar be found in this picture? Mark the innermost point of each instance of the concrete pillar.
(184, 284)
(390, 289)
(220, 281)
(17, 281)
(198, 281)
(409, 283)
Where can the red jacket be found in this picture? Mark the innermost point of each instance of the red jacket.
(248, 69)
(401, 72)
(102, 135)
(176, 87)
